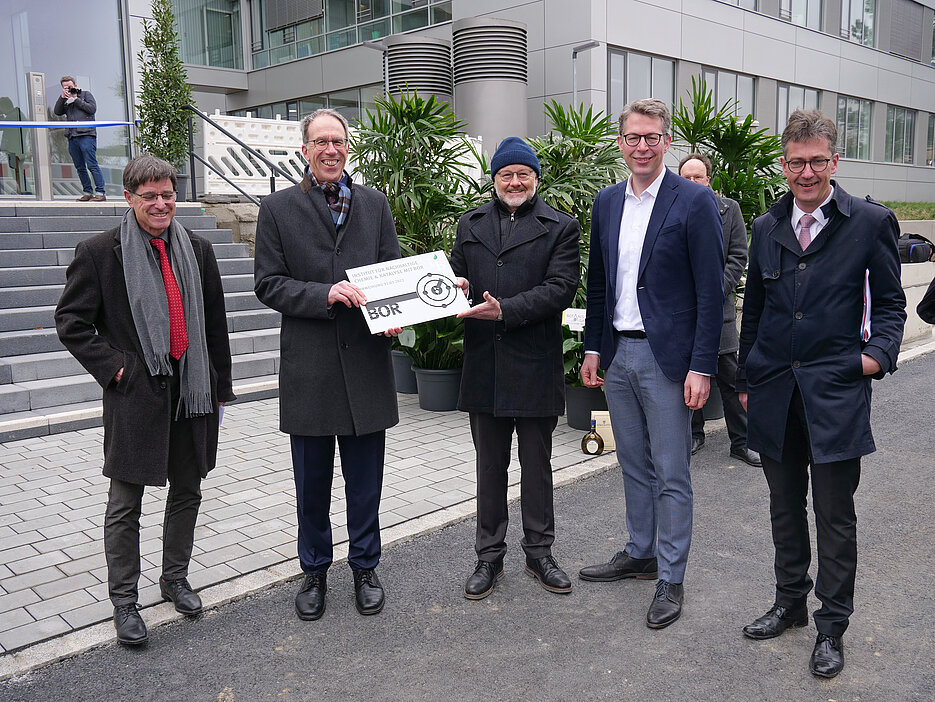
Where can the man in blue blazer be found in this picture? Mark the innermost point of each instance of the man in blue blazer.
(823, 313)
(655, 293)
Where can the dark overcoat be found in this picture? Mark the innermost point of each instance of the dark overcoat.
(335, 377)
(95, 324)
(513, 368)
(802, 325)
(735, 261)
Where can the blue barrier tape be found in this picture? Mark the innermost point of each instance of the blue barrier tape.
(62, 125)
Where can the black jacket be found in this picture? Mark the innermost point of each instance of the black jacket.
(513, 368)
(81, 109)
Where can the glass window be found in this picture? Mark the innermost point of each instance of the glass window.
(737, 89)
(209, 32)
(930, 149)
(308, 105)
(805, 13)
(338, 40)
(853, 121)
(748, 4)
(312, 28)
(347, 102)
(310, 47)
(634, 76)
(340, 14)
(791, 98)
(371, 9)
(261, 59)
(900, 130)
(374, 30)
(368, 97)
(442, 12)
(411, 20)
(858, 20)
(281, 53)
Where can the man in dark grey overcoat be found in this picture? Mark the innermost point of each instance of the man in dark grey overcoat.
(697, 167)
(335, 377)
(143, 312)
(517, 258)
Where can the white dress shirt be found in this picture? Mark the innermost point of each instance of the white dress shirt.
(820, 219)
(637, 209)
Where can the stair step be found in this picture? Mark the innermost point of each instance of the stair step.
(30, 296)
(244, 300)
(227, 266)
(252, 319)
(13, 398)
(231, 283)
(33, 275)
(254, 341)
(90, 222)
(63, 208)
(21, 258)
(39, 366)
(20, 319)
(19, 343)
(70, 239)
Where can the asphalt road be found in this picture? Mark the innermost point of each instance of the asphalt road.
(525, 643)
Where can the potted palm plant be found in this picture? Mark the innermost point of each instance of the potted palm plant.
(579, 156)
(416, 152)
(165, 93)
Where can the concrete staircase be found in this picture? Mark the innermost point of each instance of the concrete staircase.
(43, 390)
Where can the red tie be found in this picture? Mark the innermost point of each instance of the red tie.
(178, 337)
(805, 233)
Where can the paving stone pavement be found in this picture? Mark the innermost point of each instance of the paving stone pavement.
(53, 577)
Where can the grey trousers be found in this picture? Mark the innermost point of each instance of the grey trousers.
(122, 520)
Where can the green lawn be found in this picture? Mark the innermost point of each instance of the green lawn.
(912, 210)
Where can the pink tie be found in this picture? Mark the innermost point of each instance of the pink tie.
(805, 233)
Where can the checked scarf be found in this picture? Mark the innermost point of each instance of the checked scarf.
(338, 196)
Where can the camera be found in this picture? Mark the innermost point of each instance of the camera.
(73, 90)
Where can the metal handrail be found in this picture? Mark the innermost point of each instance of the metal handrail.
(249, 149)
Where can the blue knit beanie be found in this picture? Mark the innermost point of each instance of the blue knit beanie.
(514, 150)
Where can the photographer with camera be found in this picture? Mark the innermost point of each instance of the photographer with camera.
(79, 106)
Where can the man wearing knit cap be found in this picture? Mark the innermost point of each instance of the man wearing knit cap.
(518, 260)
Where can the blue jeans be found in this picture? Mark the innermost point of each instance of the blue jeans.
(652, 428)
(83, 150)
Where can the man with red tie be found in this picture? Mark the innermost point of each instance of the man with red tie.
(806, 360)
(143, 312)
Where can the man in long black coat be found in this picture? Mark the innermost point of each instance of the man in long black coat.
(335, 378)
(518, 259)
(163, 374)
(823, 314)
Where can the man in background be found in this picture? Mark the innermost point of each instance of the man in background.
(697, 167)
(79, 106)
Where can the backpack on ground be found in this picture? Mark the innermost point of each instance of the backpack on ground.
(915, 248)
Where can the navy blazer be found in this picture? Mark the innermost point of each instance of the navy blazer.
(680, 288)
(801, 325)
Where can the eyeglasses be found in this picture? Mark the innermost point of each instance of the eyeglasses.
(322, 144)
(507, 177)
(167, 196)
(650, 139)
(797, 165)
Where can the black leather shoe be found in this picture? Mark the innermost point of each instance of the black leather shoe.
(310, 599)
(776, 621)
(621, 566)
(549, 575)
(828, 657)
(697, 444)
(131, 629)
(369, 591)
(485, 576)
(666, 606)
(180, 592)
(747, 456)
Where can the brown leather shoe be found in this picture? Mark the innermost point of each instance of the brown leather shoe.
(84, 198)
(98, 198)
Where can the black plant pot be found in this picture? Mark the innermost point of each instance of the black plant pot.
(579, 402)
(438, 389)
(182, 179)
(405, 377)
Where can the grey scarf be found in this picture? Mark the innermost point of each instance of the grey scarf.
(147, 293)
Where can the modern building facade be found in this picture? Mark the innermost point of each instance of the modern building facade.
(868, 63)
